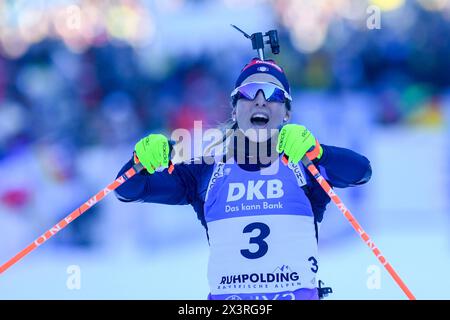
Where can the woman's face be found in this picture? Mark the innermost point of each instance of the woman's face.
(264, 117)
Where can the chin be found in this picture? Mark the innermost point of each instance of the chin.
(258, 134)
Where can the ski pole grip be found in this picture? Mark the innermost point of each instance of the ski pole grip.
(139, 167)
(171, 166)
(137, 164)
(305, 160)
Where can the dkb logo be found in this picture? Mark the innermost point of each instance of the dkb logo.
(237, 190)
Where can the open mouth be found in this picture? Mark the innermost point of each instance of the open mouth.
(259, 119)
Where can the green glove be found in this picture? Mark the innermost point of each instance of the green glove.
(296, 141)
(153, 152)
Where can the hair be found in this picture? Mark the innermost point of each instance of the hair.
(227, 129)
(288, 105)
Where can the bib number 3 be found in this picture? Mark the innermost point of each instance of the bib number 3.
(264, 231)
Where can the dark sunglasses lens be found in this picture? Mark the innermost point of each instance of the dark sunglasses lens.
(249, 91)
(245, 94)
(271, 92)
(277, 96)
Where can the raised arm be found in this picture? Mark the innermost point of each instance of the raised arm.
(160, 187)
(343, 167)
(153, 184)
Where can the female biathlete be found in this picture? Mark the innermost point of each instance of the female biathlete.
(261, 217)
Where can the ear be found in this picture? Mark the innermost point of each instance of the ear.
(287, 117)
(233, 114)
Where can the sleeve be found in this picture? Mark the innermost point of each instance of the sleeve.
(178, 188)
(343, 167)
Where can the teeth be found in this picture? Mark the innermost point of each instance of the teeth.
(260, 115)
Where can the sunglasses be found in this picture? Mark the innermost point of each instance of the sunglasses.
(272, 92)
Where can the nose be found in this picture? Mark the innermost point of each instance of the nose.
(260, 100)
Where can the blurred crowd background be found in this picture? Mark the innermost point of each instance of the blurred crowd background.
(82, 81)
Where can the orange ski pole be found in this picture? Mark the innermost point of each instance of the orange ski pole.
(76, 213)
(338, 202)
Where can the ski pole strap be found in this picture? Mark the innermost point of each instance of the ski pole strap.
(315, 151)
